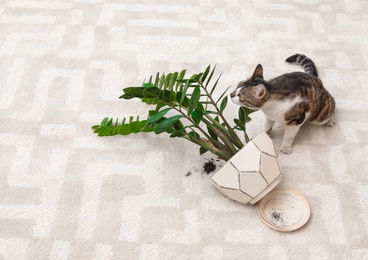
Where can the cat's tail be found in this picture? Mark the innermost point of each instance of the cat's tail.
(305, 62)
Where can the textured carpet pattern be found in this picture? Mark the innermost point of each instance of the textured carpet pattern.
(68, 194)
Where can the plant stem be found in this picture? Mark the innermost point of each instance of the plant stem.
(238, 144)
(235, 137)
(246, 137)
(210, 147)
(216, 143)
(222, 135)
(232, 133)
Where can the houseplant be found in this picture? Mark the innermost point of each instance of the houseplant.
(185, 107)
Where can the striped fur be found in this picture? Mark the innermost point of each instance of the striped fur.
(305, 62)
(290, 99)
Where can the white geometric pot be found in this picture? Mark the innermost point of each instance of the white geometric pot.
(251, 173)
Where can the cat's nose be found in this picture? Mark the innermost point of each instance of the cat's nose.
(233, 94)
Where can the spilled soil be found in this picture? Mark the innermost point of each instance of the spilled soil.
(209, 166)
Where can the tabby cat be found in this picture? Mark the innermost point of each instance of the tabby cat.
(290, 99)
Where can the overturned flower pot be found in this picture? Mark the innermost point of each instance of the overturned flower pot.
(251, 173)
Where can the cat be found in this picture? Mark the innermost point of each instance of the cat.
(290, 99)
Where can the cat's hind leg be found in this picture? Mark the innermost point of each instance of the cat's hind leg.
(330, 122)
(268, 124)
(289, 135)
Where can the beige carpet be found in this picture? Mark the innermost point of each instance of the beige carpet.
(68, 194)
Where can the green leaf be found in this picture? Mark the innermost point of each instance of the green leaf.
(158, 116)
(115, 130)
(173, 79)
(223, 104)
(100, 131)
(107, 127)
(96, 129)
(166, 95)
(134, 92)
(206, 102)
(171, 84)
(239, 124)
(211, 112)
(178, 133)
(179, 125)
(151, 92)
(146, 129)
(194, 100)
(150, 101)
(222, 94)
(179, 97)
(197, 116)
(167, 80)
(160, 104)
(199, 107)
(187, 80)
(215, 85)
(210, 77)
(136, 127)
(161, 81)
(180, 88)
(199, 76)
(194, 134)
(194, 85)
(242, 114)
(212, 133)
(250, 111)
(194, 77)
(152, 112)
(104, 122)
(125, 130)
(180, 77)
(164, 125)
(205, 74)
(184, 93)
(148, 84)
(127, 96)
(202, 150)
(157, 79)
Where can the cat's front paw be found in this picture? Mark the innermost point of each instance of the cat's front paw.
(330, 122)
(286, 149)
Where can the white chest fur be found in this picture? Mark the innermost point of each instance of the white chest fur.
(276, 109)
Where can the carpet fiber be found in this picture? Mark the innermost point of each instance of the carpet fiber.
(67, 194)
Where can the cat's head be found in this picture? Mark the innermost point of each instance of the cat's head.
(251, 93)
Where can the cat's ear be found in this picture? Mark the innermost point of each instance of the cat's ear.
(260, 91)
(258, 72)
